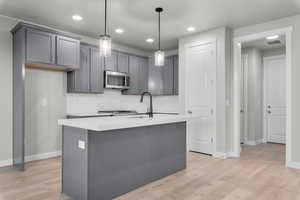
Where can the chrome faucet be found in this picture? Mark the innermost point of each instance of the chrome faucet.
(151, 103)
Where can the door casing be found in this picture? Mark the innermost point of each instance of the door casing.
(287, 31)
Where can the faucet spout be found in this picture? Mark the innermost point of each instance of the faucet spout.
(151, 102)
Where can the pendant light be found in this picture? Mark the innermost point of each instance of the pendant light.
(105, 40)
(159, 54)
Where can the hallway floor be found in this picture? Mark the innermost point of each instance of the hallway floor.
(259, 174)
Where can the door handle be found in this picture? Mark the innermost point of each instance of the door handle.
(189, 112)
(269, 106)
(269, 112)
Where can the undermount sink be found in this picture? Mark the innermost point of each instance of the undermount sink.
(139, 117)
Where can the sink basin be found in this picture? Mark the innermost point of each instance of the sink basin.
(139, 117)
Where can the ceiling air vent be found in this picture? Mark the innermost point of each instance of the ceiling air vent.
(275, 42)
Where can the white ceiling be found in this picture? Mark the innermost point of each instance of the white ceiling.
(262, 44)
(138, 19)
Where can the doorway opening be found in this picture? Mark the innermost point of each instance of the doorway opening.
(261, 106)
(263, 103)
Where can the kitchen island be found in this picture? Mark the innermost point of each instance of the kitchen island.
(106, 157)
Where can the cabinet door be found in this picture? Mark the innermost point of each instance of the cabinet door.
(40, 47)
(155, 85)
(79, 79)
(111, 62)
(134, 75)
(176, 75)
(168, 76)
(143, 74)
(96, 76)
(68, 52)
(123, 62)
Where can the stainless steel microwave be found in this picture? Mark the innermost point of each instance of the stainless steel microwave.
(116, 80)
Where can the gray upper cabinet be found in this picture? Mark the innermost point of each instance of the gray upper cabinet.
(176, 75)
(111, 62)
(123, 62)
(155, 85)
(134, 65)
(96, 71)
(144, 74)
(138, 70)
(89, 77)
(78, 80)
(40, 47)
(48, 49)
(168, 76)
(68, 52)
(164, 80)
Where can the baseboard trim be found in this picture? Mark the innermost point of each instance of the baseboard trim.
(5, 163)
(220, 155)
(43, 156)
(232, 155)
(294, 165)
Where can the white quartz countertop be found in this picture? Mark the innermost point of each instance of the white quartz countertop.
(121, 122)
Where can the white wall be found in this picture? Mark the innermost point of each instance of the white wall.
(5, 90)
(223, 93)
(45, 103)
(255, 95)
(295, 73)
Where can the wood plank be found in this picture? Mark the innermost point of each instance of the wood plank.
(259, 174)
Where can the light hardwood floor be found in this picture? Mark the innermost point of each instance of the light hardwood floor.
(258, 175)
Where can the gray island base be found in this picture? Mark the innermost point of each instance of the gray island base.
(111, 163)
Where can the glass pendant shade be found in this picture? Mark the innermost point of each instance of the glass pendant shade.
(159, 58)
(105, 46)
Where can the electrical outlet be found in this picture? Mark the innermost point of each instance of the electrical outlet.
(81, 144)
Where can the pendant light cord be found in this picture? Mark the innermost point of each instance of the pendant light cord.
(158, 30)
(105, 23)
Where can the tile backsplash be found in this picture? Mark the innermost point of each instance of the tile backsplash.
(114, 100)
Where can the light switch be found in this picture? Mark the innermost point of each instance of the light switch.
(81, 144)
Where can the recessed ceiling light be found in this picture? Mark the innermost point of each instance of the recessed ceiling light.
(273, 37)
(150, 40)
(77, 17)
(119, 31)
(191, 29)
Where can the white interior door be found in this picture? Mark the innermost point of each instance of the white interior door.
(201, 94)
(244, 80)
(275, 98)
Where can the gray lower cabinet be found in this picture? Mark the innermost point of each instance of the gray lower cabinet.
(67, 53)
(115, 162)
(138, 70)
(111, 62)
(89, 77)
(40, 47)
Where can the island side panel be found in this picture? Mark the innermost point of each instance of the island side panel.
(123, 160)
(74, 163)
